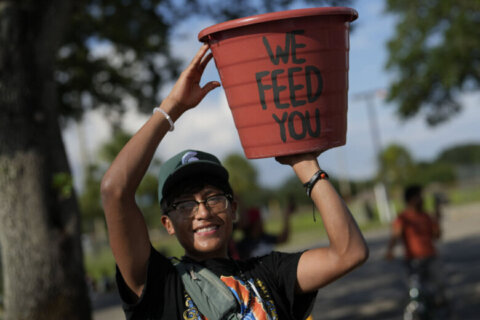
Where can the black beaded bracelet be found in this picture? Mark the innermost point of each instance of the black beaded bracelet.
(319, 175)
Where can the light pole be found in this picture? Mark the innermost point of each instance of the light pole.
(380, 190)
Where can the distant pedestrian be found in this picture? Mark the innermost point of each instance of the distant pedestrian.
(418, 231)
(256, 241)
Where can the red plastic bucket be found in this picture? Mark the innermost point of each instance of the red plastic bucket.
(285, 75)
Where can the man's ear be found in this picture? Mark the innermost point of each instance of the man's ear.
(167, 224)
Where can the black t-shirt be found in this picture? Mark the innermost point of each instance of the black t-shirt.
(273, 276)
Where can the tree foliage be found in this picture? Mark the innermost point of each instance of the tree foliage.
(110, 149)
(426, 173)
(135, 62)
(435, 55)
(399, 168)
(242, 174)
(396, 165)
(466, 154)
(90, 202)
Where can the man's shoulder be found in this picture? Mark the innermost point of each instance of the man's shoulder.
(411, 214)
(401, 216)
(413, 217)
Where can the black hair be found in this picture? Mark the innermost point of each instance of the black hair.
(412, 191)
(193, 184)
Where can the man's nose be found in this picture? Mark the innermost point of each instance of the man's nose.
(203, 211)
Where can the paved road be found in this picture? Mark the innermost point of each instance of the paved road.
(376, 290)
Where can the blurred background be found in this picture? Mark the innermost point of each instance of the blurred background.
(413, 118)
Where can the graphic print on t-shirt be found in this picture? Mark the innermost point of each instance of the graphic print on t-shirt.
(191, 312)
(261, 308)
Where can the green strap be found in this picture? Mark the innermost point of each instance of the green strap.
(211, 296)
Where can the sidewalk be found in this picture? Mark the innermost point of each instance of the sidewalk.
(109, 313)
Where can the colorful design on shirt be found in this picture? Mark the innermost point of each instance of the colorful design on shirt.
(191, 312)
(261, 308)
(267, 300)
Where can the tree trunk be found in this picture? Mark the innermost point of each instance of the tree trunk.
(39, 218)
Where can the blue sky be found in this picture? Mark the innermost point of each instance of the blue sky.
(210, 126)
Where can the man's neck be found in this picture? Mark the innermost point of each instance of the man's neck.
(206, 256)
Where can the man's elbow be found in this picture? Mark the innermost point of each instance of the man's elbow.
(111, 190)
(362, 254)
(107, 187)
(358, 255)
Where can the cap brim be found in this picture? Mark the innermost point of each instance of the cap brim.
(192, 169)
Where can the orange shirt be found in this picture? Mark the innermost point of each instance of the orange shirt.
(418, 233)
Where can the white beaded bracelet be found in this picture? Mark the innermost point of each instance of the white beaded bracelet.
(172, 126)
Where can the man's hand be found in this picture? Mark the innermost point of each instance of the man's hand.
(304, 164)
(187, 92)
(293, 159)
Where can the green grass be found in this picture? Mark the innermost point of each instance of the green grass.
(169, 246)
(459, 196)
(102, 263)
(301, 221)
(304, 231)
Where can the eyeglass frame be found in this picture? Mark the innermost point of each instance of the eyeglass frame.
(173, 206)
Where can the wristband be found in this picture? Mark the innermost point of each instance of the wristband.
(319, 175)
(170, 121)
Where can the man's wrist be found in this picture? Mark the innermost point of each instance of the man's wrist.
(172, 107)
(166, 115)
(319, 175)
(305, 170)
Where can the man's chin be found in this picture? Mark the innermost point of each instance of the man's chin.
(211, 250)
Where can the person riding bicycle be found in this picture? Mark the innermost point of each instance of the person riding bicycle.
(418, 231)
(415, 228)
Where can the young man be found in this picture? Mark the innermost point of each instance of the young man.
(198, 208)
(418, 232)
(415, 228)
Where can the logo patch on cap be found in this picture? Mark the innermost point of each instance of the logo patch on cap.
(190, 156)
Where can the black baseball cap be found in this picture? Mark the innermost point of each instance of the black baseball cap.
(188, 163)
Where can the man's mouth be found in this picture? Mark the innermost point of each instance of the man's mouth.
(206, 229)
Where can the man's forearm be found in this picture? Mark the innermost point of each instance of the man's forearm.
(345, 237)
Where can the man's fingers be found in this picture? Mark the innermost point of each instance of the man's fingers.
(205, 61)
(210, 86)
(207, 88)
(200, 53)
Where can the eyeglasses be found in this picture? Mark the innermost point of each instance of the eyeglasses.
(215, 204)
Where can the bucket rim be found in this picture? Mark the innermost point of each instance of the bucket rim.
(350, 13)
